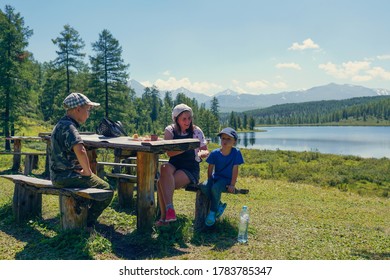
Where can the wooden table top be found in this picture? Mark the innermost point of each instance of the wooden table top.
(128, 143)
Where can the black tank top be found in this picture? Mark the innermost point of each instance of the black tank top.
(184, 160)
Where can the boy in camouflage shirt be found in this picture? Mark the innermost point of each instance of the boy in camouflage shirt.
(69, 163)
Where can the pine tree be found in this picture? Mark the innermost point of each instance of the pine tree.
(69, 56)
(214, 108)
(109, 76)
(13, 55)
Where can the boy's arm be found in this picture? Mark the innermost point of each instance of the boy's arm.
(82, 157)
(232, 186)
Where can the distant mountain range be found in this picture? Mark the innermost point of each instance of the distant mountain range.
(230, 100)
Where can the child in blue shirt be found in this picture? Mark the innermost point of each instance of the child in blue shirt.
(222, 173)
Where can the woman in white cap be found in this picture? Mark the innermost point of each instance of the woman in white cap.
(183, 167)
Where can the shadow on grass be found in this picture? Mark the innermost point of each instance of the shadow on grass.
(43, 239)
(366, 255)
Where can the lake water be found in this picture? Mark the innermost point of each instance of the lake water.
(363, 141)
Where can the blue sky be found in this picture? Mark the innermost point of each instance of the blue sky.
(208, 46)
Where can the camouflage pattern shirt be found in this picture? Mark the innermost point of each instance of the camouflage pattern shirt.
(63, 160)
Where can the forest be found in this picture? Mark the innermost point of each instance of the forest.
(35, 90)
(354, 111)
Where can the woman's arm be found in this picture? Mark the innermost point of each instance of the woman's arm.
(168, 136)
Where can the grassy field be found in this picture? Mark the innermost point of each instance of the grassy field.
(303, 206)
(290, 219)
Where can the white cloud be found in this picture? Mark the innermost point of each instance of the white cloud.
(240, 90)
(357, 71)
(383, 57)
(280, 85)
(379, 72)
(288, 66)
(257, 85)
(306, 44)
(235, 82)
(167, 73)
(172, 83)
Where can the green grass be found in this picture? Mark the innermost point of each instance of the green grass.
(288, 221)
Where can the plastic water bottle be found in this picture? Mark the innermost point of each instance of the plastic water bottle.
(243, 225)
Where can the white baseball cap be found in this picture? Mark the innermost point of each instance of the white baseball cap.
(180, 108)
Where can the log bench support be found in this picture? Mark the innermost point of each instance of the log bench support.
(73, 202)
(202, 204)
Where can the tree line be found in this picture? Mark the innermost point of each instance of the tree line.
(36, 90)
(357, 110)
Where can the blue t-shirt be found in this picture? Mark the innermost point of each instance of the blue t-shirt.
(223, 165)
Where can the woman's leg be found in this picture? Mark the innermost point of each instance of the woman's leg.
(166, 186)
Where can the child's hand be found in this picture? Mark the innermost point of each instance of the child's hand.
(203, 153)
(231, 188)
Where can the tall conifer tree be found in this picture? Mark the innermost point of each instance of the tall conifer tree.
(109, 76)
(13, 42)
(70, 56)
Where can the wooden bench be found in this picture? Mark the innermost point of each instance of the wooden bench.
(126, 179)
(73, 202)
(202, 204)
(30, 162)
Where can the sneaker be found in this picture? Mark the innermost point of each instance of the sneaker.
(170, 215)
(221, 209)
(161, 223)
(210, 219)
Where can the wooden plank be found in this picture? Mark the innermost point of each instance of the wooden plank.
(27, 138)
(161, 160)
(46, 187)
(117, 164)
(23, 153)
(132, 178)
(195, 188)
(127, 143)
(90, 193)
(40, 183)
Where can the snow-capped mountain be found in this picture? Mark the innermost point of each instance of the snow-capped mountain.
(230, 100)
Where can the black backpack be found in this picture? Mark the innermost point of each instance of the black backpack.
(110, 128)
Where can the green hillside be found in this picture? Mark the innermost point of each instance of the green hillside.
(358, 111)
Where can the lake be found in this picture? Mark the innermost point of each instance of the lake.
(363, 141)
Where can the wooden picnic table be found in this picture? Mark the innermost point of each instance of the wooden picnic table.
(17, 151)
(147, 163)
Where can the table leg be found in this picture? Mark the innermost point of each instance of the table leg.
(92, 155)
(17, 156)
(146, 207)
(47, 160)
